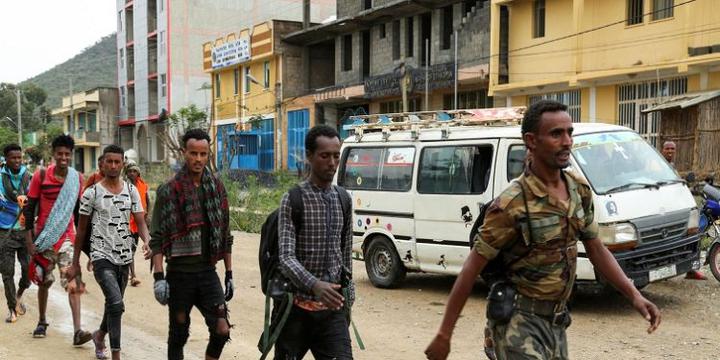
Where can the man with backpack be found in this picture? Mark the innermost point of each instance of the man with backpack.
(190, 229)
(110, 204)
(315, 255)
(529, 236)
(15, 183)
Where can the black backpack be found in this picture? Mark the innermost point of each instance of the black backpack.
(268, 255)
(496, 269)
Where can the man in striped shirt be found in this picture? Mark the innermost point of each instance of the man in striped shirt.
(317, 258)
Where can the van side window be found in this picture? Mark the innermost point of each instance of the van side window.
(389, 169)
(455, 169)
(515, 161)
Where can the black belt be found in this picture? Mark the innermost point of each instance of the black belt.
(554, 311)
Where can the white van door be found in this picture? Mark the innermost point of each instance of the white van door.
(510, 163)
(453, 180)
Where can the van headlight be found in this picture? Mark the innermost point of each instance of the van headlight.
(619, 236)
(693, 222)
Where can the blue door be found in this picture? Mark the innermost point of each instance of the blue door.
(298, 123)
(266, 145)
(246, 150)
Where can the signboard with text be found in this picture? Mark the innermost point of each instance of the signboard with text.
(231, 53)
(439, 76)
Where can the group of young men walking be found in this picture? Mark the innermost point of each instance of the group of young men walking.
(188, 235)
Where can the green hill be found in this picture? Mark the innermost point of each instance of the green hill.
(95, 66)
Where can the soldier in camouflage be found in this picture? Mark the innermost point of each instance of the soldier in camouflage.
(560, 212)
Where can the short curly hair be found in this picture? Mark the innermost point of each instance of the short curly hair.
(531, 119)
(63, 140)
(317, 131)
(197, 134)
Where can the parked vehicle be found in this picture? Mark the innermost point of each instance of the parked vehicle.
(417, 179)
(710, 224)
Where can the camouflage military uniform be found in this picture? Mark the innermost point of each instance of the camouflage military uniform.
(545, 274)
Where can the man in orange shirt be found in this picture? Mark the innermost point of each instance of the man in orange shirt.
(96, 176)
(132, 173)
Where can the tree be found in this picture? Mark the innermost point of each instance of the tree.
(34, 114)
(43, 150)
(186, 118)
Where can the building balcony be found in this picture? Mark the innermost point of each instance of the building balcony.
(87, 138)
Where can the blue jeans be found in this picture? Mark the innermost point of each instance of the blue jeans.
(113, 281)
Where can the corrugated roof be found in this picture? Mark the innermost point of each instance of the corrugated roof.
(684, 101)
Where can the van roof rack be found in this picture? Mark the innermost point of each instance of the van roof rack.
(443, 119)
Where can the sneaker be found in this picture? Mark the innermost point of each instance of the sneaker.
(40, 330)
(695, 275)
(11, 318)
(81, 337)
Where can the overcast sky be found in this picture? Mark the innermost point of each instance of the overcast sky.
(36, 35)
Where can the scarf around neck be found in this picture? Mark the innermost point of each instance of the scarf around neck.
(61, 213)
(183, 216)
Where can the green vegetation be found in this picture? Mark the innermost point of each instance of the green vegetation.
(34, 111)
(93, 67)
(251, 201)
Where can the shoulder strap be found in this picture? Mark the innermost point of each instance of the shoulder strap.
(296, 206)
(346, 203)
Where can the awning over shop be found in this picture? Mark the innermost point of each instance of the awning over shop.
(684, 101)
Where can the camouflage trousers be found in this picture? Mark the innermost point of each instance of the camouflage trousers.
(13, 246)
(529, 337)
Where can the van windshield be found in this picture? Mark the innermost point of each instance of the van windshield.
(620, 161)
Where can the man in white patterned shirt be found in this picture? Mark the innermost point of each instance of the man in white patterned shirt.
(109, 205)
(316, 258)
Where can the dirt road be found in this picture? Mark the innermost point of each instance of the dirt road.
(394, 324)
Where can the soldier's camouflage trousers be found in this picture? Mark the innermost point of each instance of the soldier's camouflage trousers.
(529, 337)
(11, 246)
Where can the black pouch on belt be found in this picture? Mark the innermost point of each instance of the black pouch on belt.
(501, 302)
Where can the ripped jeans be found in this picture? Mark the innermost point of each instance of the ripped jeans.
(113, 280)
(203, 290)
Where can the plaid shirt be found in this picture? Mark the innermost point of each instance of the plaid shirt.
(317, 252)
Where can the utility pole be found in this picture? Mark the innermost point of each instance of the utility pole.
(455, 102)
(71, 123)
(427, 74)
(19, 116)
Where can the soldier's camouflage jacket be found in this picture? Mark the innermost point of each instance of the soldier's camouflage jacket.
(547, 271)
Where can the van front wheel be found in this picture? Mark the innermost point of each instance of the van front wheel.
(383, 264)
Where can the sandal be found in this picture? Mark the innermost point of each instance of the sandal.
(99, 347)
(40, 330)
(11, 318)
(20, 309)
(134, 282)
(81, 337)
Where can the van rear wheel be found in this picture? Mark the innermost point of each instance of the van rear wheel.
(383, 264)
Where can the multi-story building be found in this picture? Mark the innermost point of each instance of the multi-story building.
(159, 68)
(376, 51)
(607, 60)
(251, 72)
(90, 117)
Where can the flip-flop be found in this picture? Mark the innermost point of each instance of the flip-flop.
(11, 318)
(20, 309)
(99, 348)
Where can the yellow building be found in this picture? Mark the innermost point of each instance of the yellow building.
(251, 72)
(606, 59)
(90, 117)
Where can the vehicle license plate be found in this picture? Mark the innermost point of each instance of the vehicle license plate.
(663, 273)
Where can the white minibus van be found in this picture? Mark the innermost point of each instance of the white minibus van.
(417, 186)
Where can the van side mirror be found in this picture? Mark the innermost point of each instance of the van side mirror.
(690, 177)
